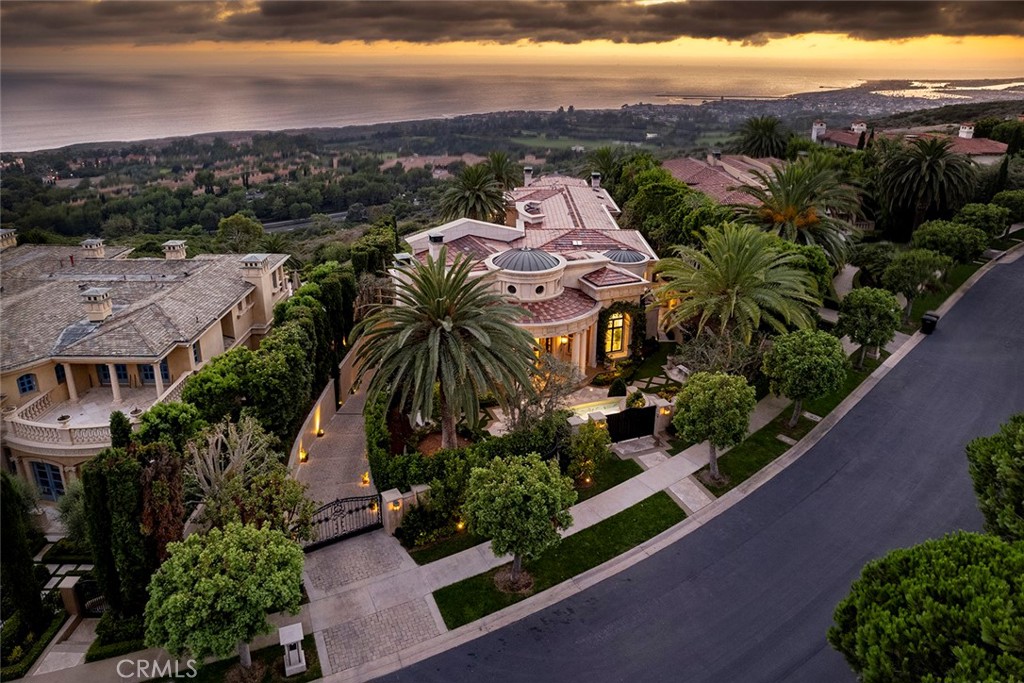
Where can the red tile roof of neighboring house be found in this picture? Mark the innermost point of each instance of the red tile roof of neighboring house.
(701, 176)
(978, 146)
(843, 138)
(571, 303)
(606, 277)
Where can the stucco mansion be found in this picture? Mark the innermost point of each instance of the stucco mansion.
(561, 256)
(87, 331)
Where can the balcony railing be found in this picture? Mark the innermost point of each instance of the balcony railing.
(22, 423)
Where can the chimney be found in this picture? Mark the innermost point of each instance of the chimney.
(595, 180)
(818, 129)
(93, 248)
(714, 157)
(8, 239)
(527, 175)
(98, 305)
(174, 250)
(859, 127)
(967, 130)
(435, 240)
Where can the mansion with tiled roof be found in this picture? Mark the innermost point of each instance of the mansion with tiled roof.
(87, 331)
(563, 259)
(981, 150)
(720, 176)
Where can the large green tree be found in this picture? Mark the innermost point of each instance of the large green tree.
(239, 232)
(474, 193)
(16, 567)
(804, 202)
(958, 241)
(737, 283)
(449, 329)
(926, 177)
(762, 136)
(213, 593)
(911, 271)
(996, 464)
(714, 407)
(520, 503)
(803, 365)
(607, 161)
(171, 422)
(948, 609)
(1012, 200)
(992, 219)
(870, 318)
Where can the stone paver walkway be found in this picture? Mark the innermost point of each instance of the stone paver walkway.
(337, 460)
(380, 634)
(329, 570)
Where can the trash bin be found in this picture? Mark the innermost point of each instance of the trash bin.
(928, 322)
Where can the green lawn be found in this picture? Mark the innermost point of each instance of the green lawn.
(1004, 243)
(610, 472)
(476, 597)
(652, 365)
(826, 404)
(929, 302)
(272, 656)
(445, 547)
(564, 143)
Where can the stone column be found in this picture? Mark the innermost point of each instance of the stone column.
(114, 385)
(393, 510)
(69, 374)
(592, 342)
(159, 379)
(577, 346)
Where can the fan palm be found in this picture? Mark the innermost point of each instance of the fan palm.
(735, 284)
(448, 329)
(762, 136)
(927, 175)
(474, 193)
(505, 171)
(802, 202)
(607, 161)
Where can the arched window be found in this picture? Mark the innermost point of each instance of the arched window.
(27, 384)
(616, 335)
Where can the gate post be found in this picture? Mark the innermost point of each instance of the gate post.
(393, 510)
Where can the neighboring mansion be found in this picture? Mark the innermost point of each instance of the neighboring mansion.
(580, 279)
(87, 331)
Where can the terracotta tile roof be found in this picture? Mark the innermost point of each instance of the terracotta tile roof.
(607, 277)
(583, 240)
(568, 202)
(714, 182)
(978, 146)
(571, 303)
(843, 138)
(471, 246)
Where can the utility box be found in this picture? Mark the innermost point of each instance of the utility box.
(928, 322)
(294, 657)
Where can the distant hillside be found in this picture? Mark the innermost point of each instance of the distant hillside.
(952, 113)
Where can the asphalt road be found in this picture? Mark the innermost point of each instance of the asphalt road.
(749, 596)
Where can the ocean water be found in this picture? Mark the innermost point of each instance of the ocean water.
(46, 109)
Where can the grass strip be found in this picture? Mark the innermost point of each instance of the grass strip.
(610, 473)
(272, 656)
(932, 300)
(476, 597)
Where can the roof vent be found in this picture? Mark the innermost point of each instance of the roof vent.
(174, 250)
(98, 305)
(93, 248)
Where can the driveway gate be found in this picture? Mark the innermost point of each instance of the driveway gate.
(343, 518)
(631, 423)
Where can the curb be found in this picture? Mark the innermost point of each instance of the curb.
(576, 584)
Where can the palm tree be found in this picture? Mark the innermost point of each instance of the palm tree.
(607, 161)
(449, 329)
(927, 175)
(505, 171)
(735, 284)
(474, 193)
(762, 136)
(802, 202)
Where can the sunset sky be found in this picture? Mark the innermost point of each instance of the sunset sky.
(969, 39)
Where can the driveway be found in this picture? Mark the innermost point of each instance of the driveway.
(749, 595)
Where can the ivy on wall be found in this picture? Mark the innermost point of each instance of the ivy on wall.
(637, 315)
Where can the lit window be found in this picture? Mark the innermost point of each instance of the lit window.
(616, 335)
(26, 384)
(59, 373)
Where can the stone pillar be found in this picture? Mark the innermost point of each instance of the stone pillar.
(159, 379)
(577, 345)
(422, 493)
(69, 595)
(69, 374)
(114, 385)
(393, 511)
(663, 416)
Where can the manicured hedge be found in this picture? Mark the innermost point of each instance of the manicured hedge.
(20, 668)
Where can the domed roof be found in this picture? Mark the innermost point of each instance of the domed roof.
(526, 260)
(624, 255)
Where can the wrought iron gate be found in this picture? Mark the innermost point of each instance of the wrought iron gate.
(343, 518)
(631, 423)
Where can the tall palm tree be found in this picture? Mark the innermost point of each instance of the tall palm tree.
(735, 284)
(449, 329)
(607, 161)
(927, 176)
(505, 171)
(803, 202)
(474, 193)
(762, 136)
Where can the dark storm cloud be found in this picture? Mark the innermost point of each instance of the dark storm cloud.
(429, 21)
